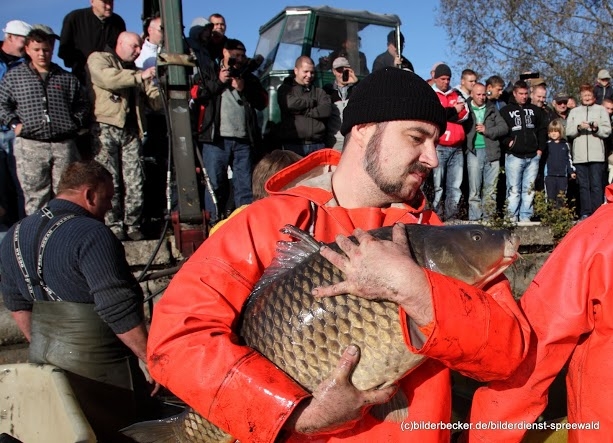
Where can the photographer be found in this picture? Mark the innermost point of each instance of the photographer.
(589, 124)
(339, 92)
(229, 132)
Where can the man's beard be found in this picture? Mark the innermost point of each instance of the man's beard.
(372, 166)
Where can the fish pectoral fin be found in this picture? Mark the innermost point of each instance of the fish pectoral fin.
(396, 410)
(154, 431)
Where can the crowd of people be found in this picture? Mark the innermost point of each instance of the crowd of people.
(74, 184)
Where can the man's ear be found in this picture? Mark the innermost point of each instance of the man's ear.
(362, 132)
(89, 195)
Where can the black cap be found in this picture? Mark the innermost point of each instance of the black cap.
(441, 70)
(232, 43)
(393, 94)
(561, 97)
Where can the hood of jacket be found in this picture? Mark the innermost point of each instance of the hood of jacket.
(311, 178)
(194, 35)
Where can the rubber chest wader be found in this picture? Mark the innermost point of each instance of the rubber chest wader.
(71, 336)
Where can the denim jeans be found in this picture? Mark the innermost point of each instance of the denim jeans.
(521, 174)
(481, 173)
(235, 153)
(303, 150)
(449, 174)
(590, 177)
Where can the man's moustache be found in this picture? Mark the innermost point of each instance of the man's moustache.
(418, 167)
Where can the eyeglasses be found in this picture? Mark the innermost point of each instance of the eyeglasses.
(562, 102)
(340, 70)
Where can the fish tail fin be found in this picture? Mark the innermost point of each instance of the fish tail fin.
(395, 410)
(154, 431)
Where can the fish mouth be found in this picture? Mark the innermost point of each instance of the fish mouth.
(511, 245)
(510, 254)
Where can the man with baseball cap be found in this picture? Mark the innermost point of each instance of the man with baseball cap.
(11, 196)
(339, 91)
(603, 88)
(391, 125)
(560, 107)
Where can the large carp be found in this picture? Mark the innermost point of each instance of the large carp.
(305, 336)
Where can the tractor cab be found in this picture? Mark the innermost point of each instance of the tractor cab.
(323, 33)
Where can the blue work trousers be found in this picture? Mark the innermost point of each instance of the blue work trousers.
(235, 153)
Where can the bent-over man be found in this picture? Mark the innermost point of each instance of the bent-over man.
(68, 286)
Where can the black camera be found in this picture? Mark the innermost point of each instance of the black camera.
(529, 75)
(345, 75)
(238, 71)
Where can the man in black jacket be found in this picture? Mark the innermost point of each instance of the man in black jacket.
(46, 107)
(229, 132)
(305, 109)
(391, 57)
(603, 87)
(524, 147)
(88, 30)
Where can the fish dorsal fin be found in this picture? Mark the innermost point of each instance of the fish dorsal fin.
(288, 254)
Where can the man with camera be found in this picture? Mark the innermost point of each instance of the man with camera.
(229, 132)
(339, 92)
(589, 124)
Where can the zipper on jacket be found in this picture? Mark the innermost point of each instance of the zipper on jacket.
(587, 136)
(45, 83)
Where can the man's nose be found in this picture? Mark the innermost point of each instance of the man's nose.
(428, 155)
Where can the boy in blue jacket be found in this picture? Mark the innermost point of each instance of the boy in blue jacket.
(559, 164)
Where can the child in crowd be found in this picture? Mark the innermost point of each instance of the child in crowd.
(559, 164)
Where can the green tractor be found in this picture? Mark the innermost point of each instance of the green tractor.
(321, 32)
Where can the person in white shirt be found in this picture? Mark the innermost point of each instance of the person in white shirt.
(151, 44)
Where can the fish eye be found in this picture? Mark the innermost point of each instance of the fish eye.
(476, 236)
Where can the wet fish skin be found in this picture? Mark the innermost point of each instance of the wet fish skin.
(305, 336)
(186, 427)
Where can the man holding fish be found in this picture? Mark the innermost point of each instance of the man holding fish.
(391, 125)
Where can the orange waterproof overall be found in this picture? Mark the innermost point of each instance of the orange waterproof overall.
(567, 305)
(193, 348)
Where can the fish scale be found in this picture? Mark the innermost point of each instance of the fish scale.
(327, 327)
(305, 336)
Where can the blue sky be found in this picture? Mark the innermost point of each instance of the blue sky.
(425, 42)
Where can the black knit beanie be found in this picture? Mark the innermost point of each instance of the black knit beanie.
(393, 94)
